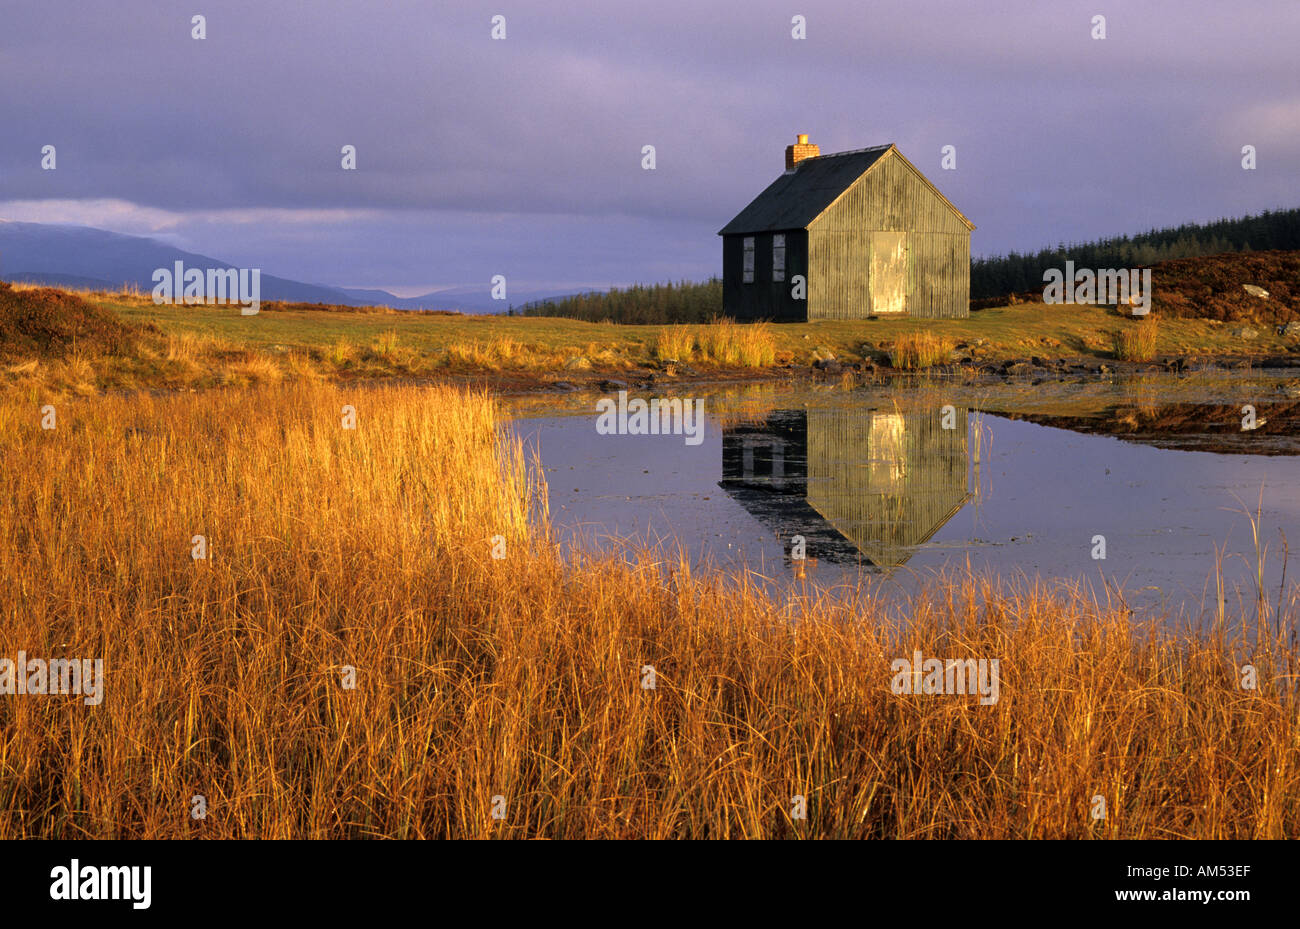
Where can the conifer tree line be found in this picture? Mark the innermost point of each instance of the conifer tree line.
(682, 302)
(1016, 273)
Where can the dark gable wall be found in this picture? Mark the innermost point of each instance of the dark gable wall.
(763, 299)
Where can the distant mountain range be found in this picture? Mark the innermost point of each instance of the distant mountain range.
(84, 257)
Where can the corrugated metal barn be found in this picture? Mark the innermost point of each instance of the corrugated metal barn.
(865, 230)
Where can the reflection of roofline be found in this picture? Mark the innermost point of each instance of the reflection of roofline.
(966, 497)
(795, 509)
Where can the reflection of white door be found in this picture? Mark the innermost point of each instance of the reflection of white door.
(887, 451)
(888, 272)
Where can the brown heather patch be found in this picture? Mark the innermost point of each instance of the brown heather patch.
(42, 322)
(1210, 287)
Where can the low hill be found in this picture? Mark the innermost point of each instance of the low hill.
(85, 258)
(1212, 287)
(40, 322)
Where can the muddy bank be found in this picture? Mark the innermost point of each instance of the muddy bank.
(1267, 426)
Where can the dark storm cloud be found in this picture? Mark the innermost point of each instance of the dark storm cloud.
(525, 153)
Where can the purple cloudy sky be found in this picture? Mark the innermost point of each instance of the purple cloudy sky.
(523, 157)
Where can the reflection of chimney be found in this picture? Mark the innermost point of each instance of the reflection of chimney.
(801, 149)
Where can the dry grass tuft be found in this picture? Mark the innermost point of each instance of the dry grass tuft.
(915, 350)
(386, 345)
(1137, 342)
(675, 343)
(740, 345)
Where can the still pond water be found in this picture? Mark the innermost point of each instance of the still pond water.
(882, 493)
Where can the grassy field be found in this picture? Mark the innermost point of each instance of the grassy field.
(515, 685)
(203, 346)
(1007, 332)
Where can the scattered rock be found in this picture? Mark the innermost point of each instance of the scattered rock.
(1290, 329)
(611, 384)
(577, 363)
(1290, 389)
(830, 367)
(1255, 291)
(1244, 332)
(1104, 369)
(564, 386)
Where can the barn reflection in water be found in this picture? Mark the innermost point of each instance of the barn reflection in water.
(861, 486)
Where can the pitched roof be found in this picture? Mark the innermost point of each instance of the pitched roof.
(798, 197)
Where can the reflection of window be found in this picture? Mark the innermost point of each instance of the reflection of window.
(778, 258)
(748, 266)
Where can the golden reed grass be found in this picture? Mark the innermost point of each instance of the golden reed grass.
(675, 343)
(520, 678)
(1137, 342)
(915, 350)
(723, 342)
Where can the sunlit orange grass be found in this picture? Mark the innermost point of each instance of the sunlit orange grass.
(499, 353)
(1138, 341)
(675, 343)
(914, 350)
(744, 345)
(521, 677)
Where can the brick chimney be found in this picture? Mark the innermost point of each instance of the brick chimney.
(801, 149)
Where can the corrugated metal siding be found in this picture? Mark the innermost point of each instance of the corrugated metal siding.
(940, 270)
(890, 198)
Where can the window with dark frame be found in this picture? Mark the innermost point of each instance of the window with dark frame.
(748, 267)
(778, 258)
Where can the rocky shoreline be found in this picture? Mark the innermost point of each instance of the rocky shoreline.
(1032, 370)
